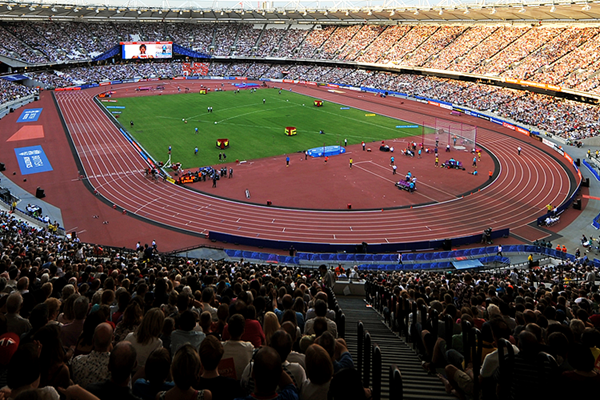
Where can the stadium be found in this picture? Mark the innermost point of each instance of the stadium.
(391, 139)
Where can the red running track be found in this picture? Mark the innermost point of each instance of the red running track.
(524, 185)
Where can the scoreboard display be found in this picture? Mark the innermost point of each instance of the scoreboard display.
(141, 50)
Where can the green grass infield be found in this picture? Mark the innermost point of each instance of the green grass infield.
(255, 129)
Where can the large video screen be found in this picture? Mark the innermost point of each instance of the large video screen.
(139, 50)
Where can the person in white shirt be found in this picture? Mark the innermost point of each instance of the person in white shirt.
(236, 353)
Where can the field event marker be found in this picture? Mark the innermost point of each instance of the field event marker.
(344, 108)
(370, 115)
(28, 132)
(32, 160)
(30, 115)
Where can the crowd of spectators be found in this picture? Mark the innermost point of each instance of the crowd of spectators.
(335, 44)
(269, 40)
(245, 42)
(566, 118)
(82, 322)
(10, 91)
(549, 316)
(563, 56)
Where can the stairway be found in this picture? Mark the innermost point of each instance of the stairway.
(417, 383)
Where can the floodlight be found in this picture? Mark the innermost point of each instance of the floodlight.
(416, 12)
(467, 11)
(553, 9)
(9, 8)
(392, 13)
(522, 10)
(493, 11)
(586, 7)
(441, 12)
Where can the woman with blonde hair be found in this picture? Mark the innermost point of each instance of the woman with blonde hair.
(270, 325)
(146, 338)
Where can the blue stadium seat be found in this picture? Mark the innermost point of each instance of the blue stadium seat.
(479, 251)
(409, 257)
(459, 253)
(287, 260)
(491, 249)
(273, 258)
(444, 255)
(247, 254)
(436, 256)
(391, 258)
(230, 252)
(368, 258)
(304, 256)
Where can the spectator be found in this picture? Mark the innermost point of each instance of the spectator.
(93, 367)
(236, 353)
(53, 358)
(267, 374)
(158, 375)
(221, 388)
(14, 322)
(145, 339)
(70, 333)
(121, 365)
(321, 312)
(185, 370)
(24, 370)
(319, 371)
(185, 332)
(270, 325)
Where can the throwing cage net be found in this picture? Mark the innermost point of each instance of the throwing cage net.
(457, 135)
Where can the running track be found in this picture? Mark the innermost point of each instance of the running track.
(524, 185)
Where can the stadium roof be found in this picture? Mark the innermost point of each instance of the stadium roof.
(343, 11)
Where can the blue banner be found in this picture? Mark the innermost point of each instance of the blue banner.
(30, 115)
(407, 126)
(344, 108)
(119, 107)
(32, 160)
(496, 121)
(14, 78)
